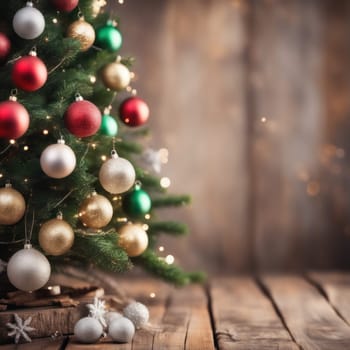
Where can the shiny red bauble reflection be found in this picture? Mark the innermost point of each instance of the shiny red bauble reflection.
(5, 47)
(29, 73)
(65, 5)
(82, 118)
(14, 120)
(134, 111)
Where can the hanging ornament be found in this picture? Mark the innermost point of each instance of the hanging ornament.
(82, 118)
(88, 330)
(65, 5)
(121, 330)
(14, 119)
(133, 239)
(58, 160)
(137, 203)
(28, 269)
(115, 75)
(137, 313)
(96, 6)
(28, 22)
(56, 236)
(108, 37)
(29, 73)
(117, 174)
(83, 32)
(12, 205)
(134, 111)
(109, 126)
(96, 211)
(5, 47)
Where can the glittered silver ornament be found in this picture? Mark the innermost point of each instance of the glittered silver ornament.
(28, 22)
(121, 330)
(28, 269)
(112, 315)
(58, 160)
(88, 330)
(117, 175)
(137, 313)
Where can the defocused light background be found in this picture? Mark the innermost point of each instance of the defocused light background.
(252, 100)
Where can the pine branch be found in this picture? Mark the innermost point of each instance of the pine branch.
(171, 201)
(171, 273)
(170, 227)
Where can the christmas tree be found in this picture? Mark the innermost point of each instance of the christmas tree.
(72, 190)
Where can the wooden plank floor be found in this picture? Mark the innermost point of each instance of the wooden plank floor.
(270, 312)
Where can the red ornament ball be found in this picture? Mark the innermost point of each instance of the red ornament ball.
(82, 118)
(14, 120)
(29, 73)
(65, 5)
(5, 47)
(134, 111)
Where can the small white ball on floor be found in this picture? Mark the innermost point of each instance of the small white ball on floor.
(111, 315)
(121, 330)
(137, 313)
(88, 330)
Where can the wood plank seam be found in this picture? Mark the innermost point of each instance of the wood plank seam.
(267, 293)
(211, 314)
(319, 287)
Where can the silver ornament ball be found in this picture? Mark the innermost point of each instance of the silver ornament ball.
(121, 330)
(117, 175)
(88, 330)
(28, 269)
(137, 313)
(111, 316)
(58, 160)
(28, 22)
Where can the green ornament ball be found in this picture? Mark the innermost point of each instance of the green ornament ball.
(109, 38)
(109, 126)
(137, 203)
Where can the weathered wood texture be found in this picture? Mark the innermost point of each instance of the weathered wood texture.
(307, 314)
(245, 318)
(263, 192)
(273, 312)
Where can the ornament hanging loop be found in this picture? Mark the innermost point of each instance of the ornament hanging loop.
(13, 95)
(33, 51)
(78, 97)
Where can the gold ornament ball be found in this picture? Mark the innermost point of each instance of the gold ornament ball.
(115, 76)
(96, 211)
(83, 32)
(12, 205)
(133, 239)
(56, 237)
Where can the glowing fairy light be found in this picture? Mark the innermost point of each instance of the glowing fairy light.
(169, 259)
(161, 248)
(92, 79)
(145, 227)
(55, 20)
(25, 148)
(152, 295)
(165, 182)
(147, 216)
(103, 158)
(45, 132)
(263, 120)
(12, 142)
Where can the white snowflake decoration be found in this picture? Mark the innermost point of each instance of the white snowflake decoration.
(3, 265)
(20, 328)
(98, 311)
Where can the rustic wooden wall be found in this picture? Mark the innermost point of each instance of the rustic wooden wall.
(252, 99)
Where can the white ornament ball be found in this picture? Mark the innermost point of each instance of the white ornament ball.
(28, 269)
(111, 316)
(88, 330)
(121, 330)
(28, 22)
(117, 175)
(137, 313)
(58, 160)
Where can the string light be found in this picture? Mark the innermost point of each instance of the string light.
(48, 117)
(128, 88)
(25, 148)
(152, 295)
(92, 79)
(121, 2)
(55, 20)
(165, 182)
(103, 158)
(26, 180)
(147, 216)
(1, 175)
(122, 219)
(12, 142)
(263, 119)
(169, 259)
(45, 132)
(145, 227)
(161, 248)
(93, 145)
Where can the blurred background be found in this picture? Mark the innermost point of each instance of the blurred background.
(252, 100)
